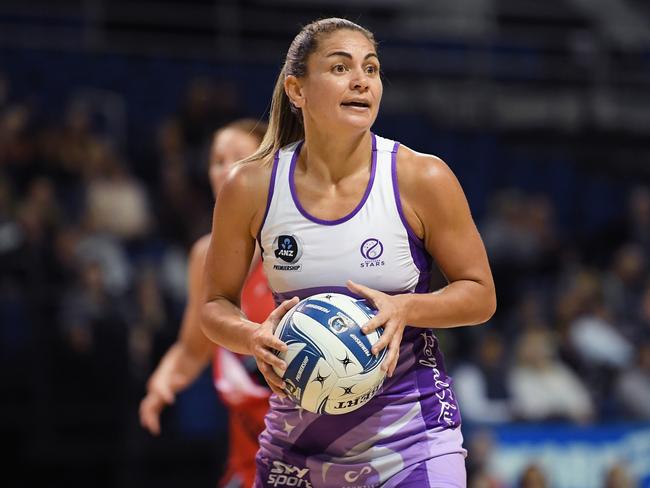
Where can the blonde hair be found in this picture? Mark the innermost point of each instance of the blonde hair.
(285, 120)
(255, 128)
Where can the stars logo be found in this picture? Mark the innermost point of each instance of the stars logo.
(320, 379)
(345, 361)
(347, 390)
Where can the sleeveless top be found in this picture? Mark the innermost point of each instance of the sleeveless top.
(414, 417)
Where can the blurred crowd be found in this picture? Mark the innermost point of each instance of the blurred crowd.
(94, 240)
(571, 341)
(93, 251)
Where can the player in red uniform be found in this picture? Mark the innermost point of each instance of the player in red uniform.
(239, 384)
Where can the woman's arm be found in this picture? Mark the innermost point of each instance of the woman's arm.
(237, 216)
(436, 209)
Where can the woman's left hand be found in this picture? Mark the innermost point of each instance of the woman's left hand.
(391, 315)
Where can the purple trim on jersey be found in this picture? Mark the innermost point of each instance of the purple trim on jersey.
(307, 215)
(420, 256)
(398, 200)
(274, 171)
(307, 292)
(423, 262)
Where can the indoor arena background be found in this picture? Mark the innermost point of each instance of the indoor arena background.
(542, 109)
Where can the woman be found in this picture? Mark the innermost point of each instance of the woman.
(235, 376)
(323, 180)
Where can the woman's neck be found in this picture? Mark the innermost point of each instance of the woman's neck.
(331, 157)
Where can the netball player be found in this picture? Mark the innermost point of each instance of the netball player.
(323, 185)
(235, 375)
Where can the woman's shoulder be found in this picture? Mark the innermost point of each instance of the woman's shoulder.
(244, 193)
(251, 173)
(200, 249)
(421, 171)
(248, 181)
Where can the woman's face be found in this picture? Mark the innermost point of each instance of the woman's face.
(342, 87)
(228, 147)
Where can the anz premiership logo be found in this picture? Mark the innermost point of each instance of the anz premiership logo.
(283, 474)
(287, 250)
(372, 250)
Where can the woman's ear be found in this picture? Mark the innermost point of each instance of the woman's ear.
(293, 89)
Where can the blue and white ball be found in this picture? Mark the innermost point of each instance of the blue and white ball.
(330, 365)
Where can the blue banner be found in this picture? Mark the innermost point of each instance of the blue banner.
(571, 456)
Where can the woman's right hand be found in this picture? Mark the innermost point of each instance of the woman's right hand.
(161, 392)
(262, 343)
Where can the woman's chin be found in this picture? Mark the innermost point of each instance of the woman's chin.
(356, 122)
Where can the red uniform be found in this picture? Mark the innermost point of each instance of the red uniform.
(242, 388)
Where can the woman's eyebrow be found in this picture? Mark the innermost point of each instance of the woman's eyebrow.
(349, 56)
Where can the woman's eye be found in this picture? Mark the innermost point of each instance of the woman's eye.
(339, 68)
(371, 69)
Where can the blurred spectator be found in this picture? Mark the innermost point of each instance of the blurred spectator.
(481, 446)
(481, 384)
(107, 252)
(591, 335)
(116, 203)
(181, 209)
(16, 148)
(522, 242)
(183, 205)
(623, 284)
(593, 343)
(76, 140)
(506, 231)
(89, 311)
(598, 341)
(542, 387)
(618, 476)
(633, 385)
(532, 477)
(521, 231)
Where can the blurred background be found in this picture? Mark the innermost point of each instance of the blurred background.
(542, 109)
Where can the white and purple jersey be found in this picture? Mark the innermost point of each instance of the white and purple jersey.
(415, 417)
